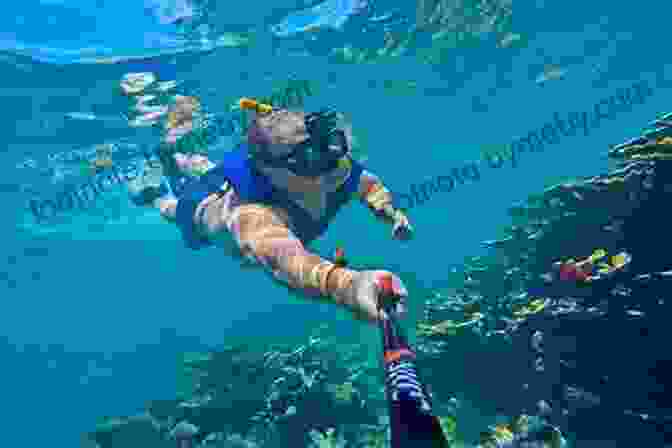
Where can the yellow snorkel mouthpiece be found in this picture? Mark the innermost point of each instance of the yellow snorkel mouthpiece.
(250, 104)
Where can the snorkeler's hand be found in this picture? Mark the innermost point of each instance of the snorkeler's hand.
(367, 286)
(402, 229)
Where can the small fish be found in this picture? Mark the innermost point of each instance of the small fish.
(615, 263)
(533, 307)
(599, 253)
(166, 85)
(569, 272)
(380, 18)
(620, 260)
(551, 73)
(81, 116)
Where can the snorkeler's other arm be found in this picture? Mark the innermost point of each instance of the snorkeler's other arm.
(375, 196)
(191, 165)
(378, 199)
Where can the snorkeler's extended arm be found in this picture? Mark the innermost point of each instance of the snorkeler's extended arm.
(378, 199)
(262, 233)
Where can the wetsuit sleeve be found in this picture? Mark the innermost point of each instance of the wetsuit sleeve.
(377, 197)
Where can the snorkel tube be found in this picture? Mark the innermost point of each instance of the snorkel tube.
(250, 104)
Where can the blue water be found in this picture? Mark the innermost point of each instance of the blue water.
(92, 318)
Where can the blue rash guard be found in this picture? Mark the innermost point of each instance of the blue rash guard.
(253, 186)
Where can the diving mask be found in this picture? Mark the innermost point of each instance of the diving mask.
(319, 154)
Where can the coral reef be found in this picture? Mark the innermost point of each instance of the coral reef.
(274, 395)
(595, 349)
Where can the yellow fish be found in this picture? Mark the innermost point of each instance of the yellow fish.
(619, 260)
(533, 307)
(599, 253)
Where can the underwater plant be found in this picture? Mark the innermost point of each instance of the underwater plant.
(342, 392)
(327, 439)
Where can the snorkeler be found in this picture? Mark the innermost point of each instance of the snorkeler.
(272, 196)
